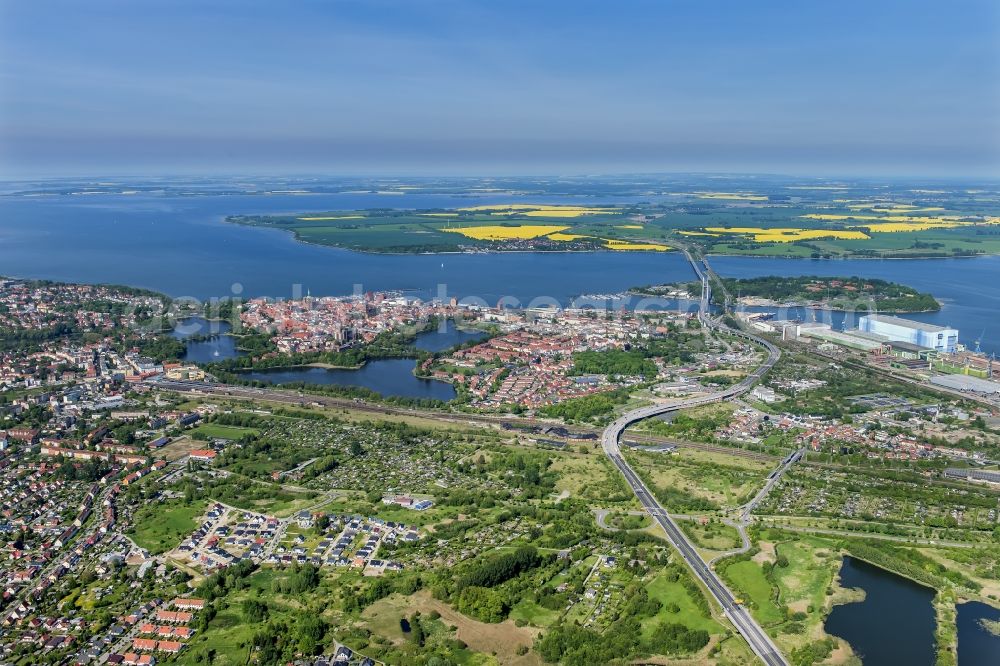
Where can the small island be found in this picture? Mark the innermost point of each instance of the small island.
(836, 293)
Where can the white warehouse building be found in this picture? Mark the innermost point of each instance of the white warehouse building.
(897, 329)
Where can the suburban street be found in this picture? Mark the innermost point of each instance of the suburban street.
(755, 636)
(341, 334)
(90, 527)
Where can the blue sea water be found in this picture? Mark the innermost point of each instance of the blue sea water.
(182, 246)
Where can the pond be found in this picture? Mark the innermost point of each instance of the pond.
(894, 624)
(446, 336)
(389, 377)
(218, 347)
(977, 645)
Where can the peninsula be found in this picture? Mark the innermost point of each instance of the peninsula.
(835, 293)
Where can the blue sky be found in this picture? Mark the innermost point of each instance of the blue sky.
(378, 86)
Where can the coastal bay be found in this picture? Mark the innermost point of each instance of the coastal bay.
(181, 246)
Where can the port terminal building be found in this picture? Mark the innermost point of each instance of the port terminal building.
(897, 329)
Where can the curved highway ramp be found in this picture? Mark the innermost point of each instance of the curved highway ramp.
(756, 637)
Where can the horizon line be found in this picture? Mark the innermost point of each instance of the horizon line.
(487, 175)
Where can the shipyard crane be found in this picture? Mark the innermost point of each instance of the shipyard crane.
(979, 341)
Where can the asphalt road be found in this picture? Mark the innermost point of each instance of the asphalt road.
(93, 523)
(772, 480)
(297, 399)
(753, 633)
(755, 636)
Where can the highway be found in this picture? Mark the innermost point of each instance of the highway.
(755, 636)
(753, 633)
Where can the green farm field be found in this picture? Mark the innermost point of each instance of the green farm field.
(761, 223)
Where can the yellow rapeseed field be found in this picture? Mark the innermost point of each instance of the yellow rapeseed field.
(552, 232)
(631, 245)
(788, 235)
(903, 223)
(896, 227)
(505, 207)
(438, 214)
(630, 226)
(539, 210)
(498, 232)
(696, 233)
